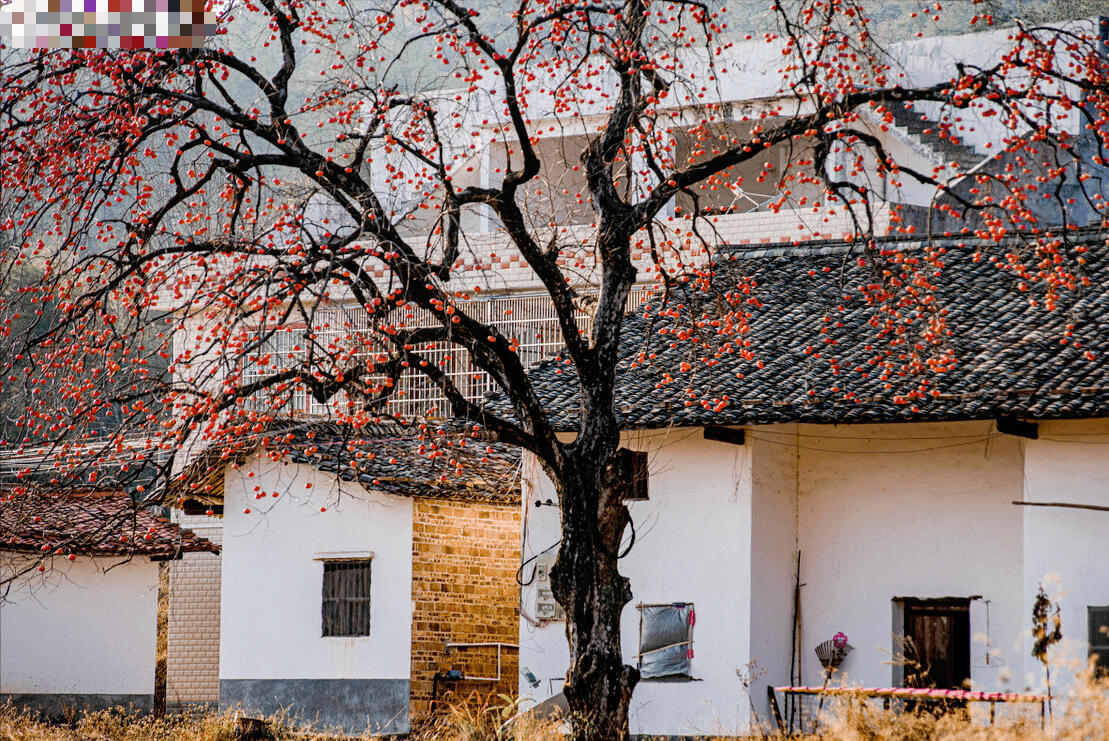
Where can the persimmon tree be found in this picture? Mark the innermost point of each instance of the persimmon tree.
(298, 217)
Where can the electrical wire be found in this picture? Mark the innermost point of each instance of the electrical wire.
(520, 570)
(902, 451)
(631, 524)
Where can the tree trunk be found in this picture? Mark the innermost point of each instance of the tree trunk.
(588, 585)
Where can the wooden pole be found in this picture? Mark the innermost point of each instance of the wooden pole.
(795, 646)
(774, 709)
(1063, 504)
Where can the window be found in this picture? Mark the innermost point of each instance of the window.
(346, 598)
(633, 474)
(666, 640)
(1099, 637)
(268, 351)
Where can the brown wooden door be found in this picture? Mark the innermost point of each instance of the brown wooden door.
(937, 645)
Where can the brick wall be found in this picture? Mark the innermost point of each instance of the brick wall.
(192, 650)
(464, 561)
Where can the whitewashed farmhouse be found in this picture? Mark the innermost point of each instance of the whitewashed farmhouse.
(79, 602)
(360, 579)
(909, 507)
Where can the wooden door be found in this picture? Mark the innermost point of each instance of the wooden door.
(937, 643)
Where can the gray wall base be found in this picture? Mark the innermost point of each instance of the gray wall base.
(63, 707)
(350, 705)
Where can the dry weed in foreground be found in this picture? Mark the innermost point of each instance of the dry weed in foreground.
(118, 725)
(491, 718)
(1083, 715)
(481, 720)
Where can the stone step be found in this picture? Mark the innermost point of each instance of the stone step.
(927, 132)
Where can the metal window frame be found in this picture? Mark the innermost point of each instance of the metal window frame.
(340, 625)
(525, 318)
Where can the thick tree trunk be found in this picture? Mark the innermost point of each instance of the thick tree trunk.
(587, 583)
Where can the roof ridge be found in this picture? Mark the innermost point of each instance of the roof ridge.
(823, 247)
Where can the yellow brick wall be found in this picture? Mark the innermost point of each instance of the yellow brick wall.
(464, 561)
(192, 646)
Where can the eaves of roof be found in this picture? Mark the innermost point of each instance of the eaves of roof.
(91, 524)
(811, 351)
(404, 461)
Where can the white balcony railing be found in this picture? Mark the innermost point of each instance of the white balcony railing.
(530, 320)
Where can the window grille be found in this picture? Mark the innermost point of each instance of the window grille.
(1099, 637)
(666, 640)
(346, 598)
(530, 320)
(283, 348)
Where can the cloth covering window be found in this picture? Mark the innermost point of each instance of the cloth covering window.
(666, 640)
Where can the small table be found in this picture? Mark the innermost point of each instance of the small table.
(907, 693)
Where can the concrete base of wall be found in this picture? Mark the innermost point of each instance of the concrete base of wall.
(64, 707)
(350, 705)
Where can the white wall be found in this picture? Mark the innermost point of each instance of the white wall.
(692, 545)
(773, 547)
(1066, 550)
(878, 512)
(81, 628)
(272, 575)
(921, 510)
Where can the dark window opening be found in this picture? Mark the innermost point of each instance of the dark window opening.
(632, 466)
(194, 507)
(936, 643)
(666, 640)
(1099, 638)
(346, 598)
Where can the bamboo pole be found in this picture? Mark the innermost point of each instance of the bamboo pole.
(1063, 504)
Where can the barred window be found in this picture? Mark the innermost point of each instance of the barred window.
(346, 598)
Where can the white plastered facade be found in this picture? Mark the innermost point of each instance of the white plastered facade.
(273, 560)
(878, 513)
(86, 627)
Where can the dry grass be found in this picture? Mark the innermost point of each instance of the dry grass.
(484, 718)
(1081, 716)
(117, 725)
(465, 721)
(1084, 716)
(161, 652)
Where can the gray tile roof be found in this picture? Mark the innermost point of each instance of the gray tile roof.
(450, 462)
(813, 350)
(431, 463)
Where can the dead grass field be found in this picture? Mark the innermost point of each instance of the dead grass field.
(1084, 716)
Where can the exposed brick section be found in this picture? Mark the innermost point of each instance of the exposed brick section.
(192, 652)
(464, 561)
